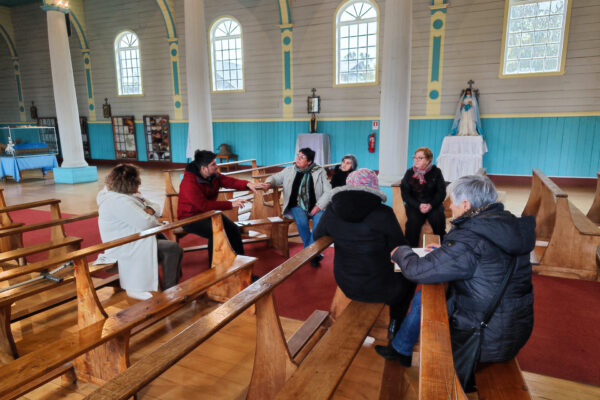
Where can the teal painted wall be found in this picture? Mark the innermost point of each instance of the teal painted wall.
(275, 142)
(559, 146)
(102, 146)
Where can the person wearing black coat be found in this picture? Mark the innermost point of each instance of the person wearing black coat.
(341, 172)
(474, 258)
(364, 231)
(423, 192)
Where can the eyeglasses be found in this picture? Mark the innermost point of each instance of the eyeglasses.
(419, 158)
(301, 156)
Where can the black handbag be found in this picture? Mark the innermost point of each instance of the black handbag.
(466, 343)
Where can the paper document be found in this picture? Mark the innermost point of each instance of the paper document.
(419, 251)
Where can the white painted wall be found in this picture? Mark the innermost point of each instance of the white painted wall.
(262, 59)
(472, 51)
(314, 40)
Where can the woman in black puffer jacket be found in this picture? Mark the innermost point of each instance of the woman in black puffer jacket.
(474, 258)
(364, 231)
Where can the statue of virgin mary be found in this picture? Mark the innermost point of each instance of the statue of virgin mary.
(466, 121)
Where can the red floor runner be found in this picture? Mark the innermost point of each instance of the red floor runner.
(564, 343)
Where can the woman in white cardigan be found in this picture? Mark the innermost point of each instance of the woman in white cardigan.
(123, 211)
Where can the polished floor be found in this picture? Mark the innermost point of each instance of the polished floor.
(221, 367)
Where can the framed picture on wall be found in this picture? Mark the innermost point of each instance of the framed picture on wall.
(158, 139)
(124, 137)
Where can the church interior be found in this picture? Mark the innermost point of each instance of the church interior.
(507, 89)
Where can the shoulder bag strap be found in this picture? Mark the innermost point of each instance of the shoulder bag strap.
(499, 294)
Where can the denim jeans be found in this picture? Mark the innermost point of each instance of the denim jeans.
(409, 331)
(302, 218)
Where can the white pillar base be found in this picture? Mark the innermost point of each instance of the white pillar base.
(75, 175)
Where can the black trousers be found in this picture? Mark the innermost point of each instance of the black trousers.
(415, 220)
(169, 257)
(204, 228)
(399, 302)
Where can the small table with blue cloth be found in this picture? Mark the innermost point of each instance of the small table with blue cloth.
(12, 165)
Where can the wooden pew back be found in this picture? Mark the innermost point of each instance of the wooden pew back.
(273, 359)
(102, 340)
(437, 376)
(541, 204)
(594, 212)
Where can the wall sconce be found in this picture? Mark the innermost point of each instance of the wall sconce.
(106, 109)
(33, 111)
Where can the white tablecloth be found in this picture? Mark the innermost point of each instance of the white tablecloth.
(460, 156)
(319, 142)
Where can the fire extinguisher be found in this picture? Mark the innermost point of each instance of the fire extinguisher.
(372, 142)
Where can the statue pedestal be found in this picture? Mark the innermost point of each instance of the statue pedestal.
(460, 156)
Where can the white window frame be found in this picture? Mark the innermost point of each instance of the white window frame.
(133, 63)
(528, 52)
(337, 26)
(238, 37)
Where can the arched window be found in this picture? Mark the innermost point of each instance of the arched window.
(129, 68)
(227, 62)
(356, 26)
(535, 37)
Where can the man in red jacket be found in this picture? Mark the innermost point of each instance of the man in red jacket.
(198, 193)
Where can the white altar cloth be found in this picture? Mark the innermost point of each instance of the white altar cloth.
(319, 143)
(460, 156)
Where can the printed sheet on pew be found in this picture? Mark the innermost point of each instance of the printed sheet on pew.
(421, 252)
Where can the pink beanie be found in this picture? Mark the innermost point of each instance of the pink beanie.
(363, 177)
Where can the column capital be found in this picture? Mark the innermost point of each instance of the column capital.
(56, 5)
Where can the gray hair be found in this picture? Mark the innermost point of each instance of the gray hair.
(476, 189)
(353, 159)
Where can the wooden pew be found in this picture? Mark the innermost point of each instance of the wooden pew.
(6, 222)
(227, 165)
(437, 377)
(572, 246)
(59, 241)
(594, 212)
(258, 171)
(275, 232)
(275, 360)
(541, 204)
(400, 211)
(100, 349)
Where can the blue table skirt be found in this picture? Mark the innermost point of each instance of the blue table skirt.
(11, 166)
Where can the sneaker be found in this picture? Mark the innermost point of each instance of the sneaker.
(389, 353)
(139, 295)
(316, 262)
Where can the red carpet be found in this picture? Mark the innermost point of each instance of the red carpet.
(564, 343)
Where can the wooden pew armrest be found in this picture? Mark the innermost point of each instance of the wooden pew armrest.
(47, 224)
(582, 222)
(33, 204)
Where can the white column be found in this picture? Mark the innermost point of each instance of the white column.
(200, 133)
(395, 91)
(64, 91)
